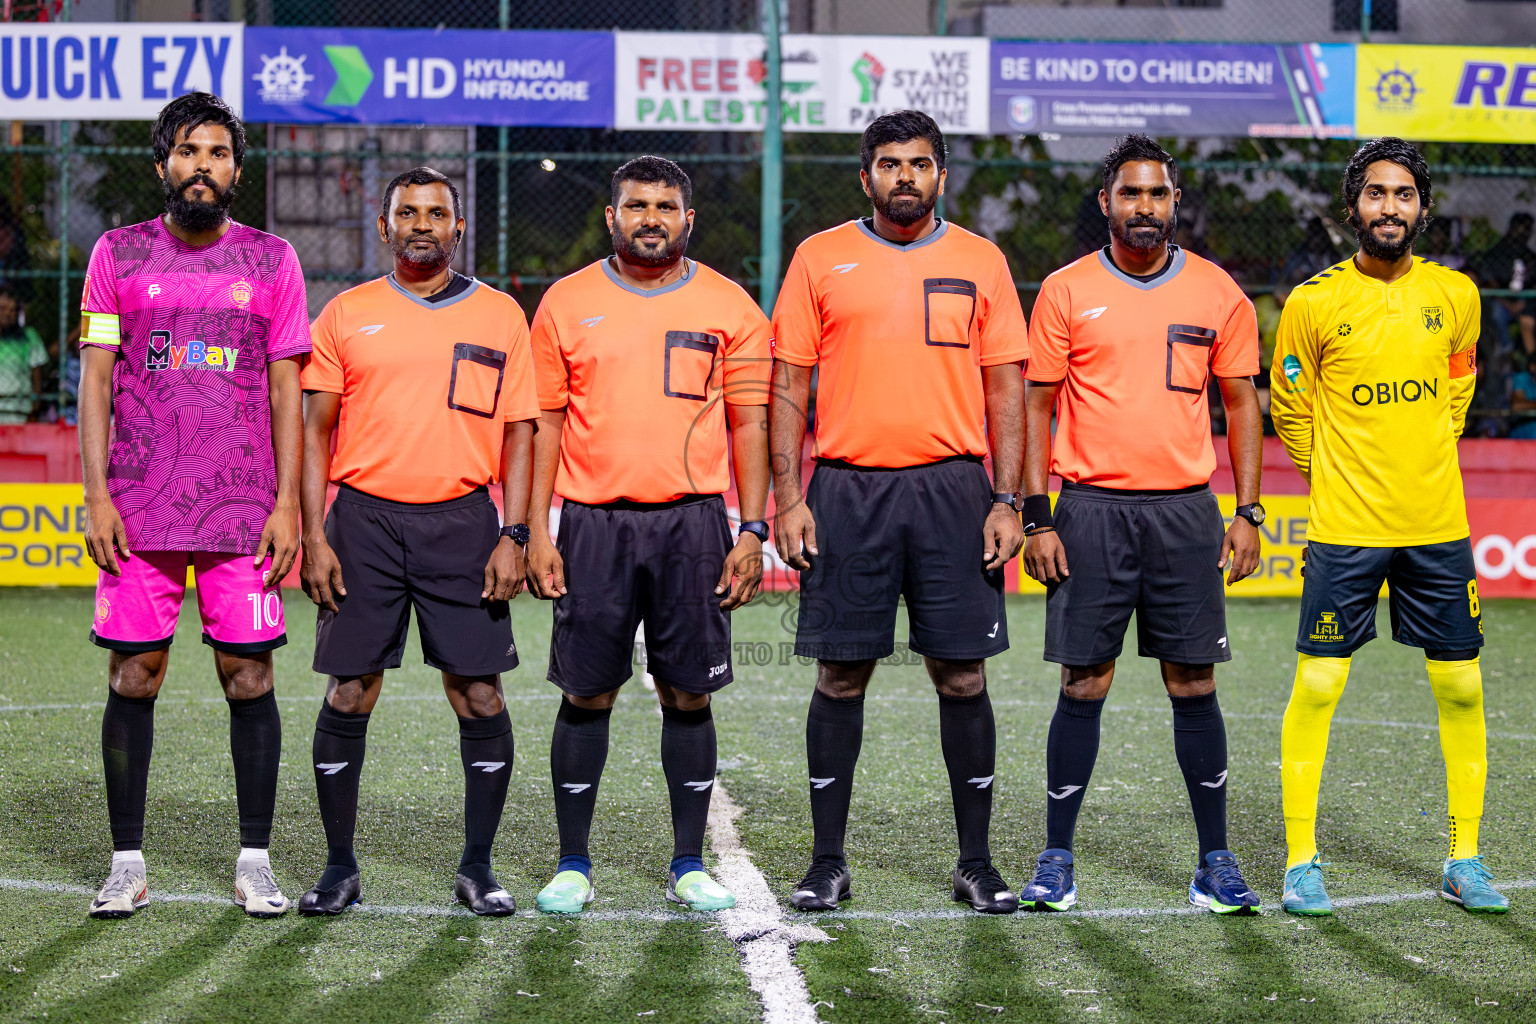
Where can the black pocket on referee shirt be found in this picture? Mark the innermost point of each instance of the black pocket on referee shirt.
(690, 364)
(1189, 357)
(475, 383)
(949, 310)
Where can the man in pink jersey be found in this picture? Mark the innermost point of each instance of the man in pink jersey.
(191, 331)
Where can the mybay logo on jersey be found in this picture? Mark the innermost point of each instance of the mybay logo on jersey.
(164, 355)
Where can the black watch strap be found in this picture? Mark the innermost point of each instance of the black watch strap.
(756, 527)
(517, 531)
(1013, 499)
(1253, 512)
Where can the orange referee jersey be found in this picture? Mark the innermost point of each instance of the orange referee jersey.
(426, 388)
(1135, 358)
(644, 377)
(899, 334)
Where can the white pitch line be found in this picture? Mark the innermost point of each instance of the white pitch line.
(446, 909)
(790, 928)
(757, 924)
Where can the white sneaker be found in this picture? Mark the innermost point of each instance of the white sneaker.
(256, 890)
(127, 890)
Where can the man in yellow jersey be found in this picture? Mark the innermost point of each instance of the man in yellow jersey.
(1373, 372)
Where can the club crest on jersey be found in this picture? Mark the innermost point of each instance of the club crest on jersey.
(1433, 319)
(240, 293)
(163, 355)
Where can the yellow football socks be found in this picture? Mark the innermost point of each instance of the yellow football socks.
(1458, 689)
(1303, 746)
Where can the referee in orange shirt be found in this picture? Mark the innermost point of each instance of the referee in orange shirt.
(916, 328)
(429, 377)
(1122, 346)
(644, 359)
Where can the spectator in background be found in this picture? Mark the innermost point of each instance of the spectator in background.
(1315, 254)
(22, 358)
(1508, 263)
(1522, 400)
(1441, 244)
(68, 386)
(1267, 309)
(13, 253)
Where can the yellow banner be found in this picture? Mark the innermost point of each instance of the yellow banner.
(42, 542)
(1446, 93)
(1282, 537)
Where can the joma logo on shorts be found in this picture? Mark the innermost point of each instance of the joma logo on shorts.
(718, 670)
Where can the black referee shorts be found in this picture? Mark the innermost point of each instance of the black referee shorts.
(1149, 552)
(397, 556)
(627, 563)
(891, 534)
(1433, 595)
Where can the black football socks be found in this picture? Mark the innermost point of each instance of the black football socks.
(1071, 749)
(1200, 742)
(577, 754)
(688, 760)
(256, 746)
(968, 734)
(340, 740)
(127, 738)
(485, 747)
(834, 732)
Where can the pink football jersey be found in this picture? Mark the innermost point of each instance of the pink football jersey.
(191, 466)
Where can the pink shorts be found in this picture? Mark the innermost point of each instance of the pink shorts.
(137, 611)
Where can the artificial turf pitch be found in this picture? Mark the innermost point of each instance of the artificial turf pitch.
(902, 951)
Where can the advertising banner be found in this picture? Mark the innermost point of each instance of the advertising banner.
(1173, 88)
(1446, 93)
(421, 76)
(42, 543)
(1504, 545)
(717, 81)
(114, 71)
(42, 536)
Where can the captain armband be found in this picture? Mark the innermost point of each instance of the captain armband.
(100, 329)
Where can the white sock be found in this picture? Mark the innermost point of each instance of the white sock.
(132, 858)
(253, 857)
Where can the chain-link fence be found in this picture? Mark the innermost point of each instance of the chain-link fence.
(1267, 209)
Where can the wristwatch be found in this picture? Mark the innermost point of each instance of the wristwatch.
(1254, 513)
(756, 527)
(1013, 499)
(517, 531)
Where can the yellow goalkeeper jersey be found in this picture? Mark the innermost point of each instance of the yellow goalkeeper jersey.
(1369, 391)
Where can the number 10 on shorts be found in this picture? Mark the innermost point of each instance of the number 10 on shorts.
(267, 606)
